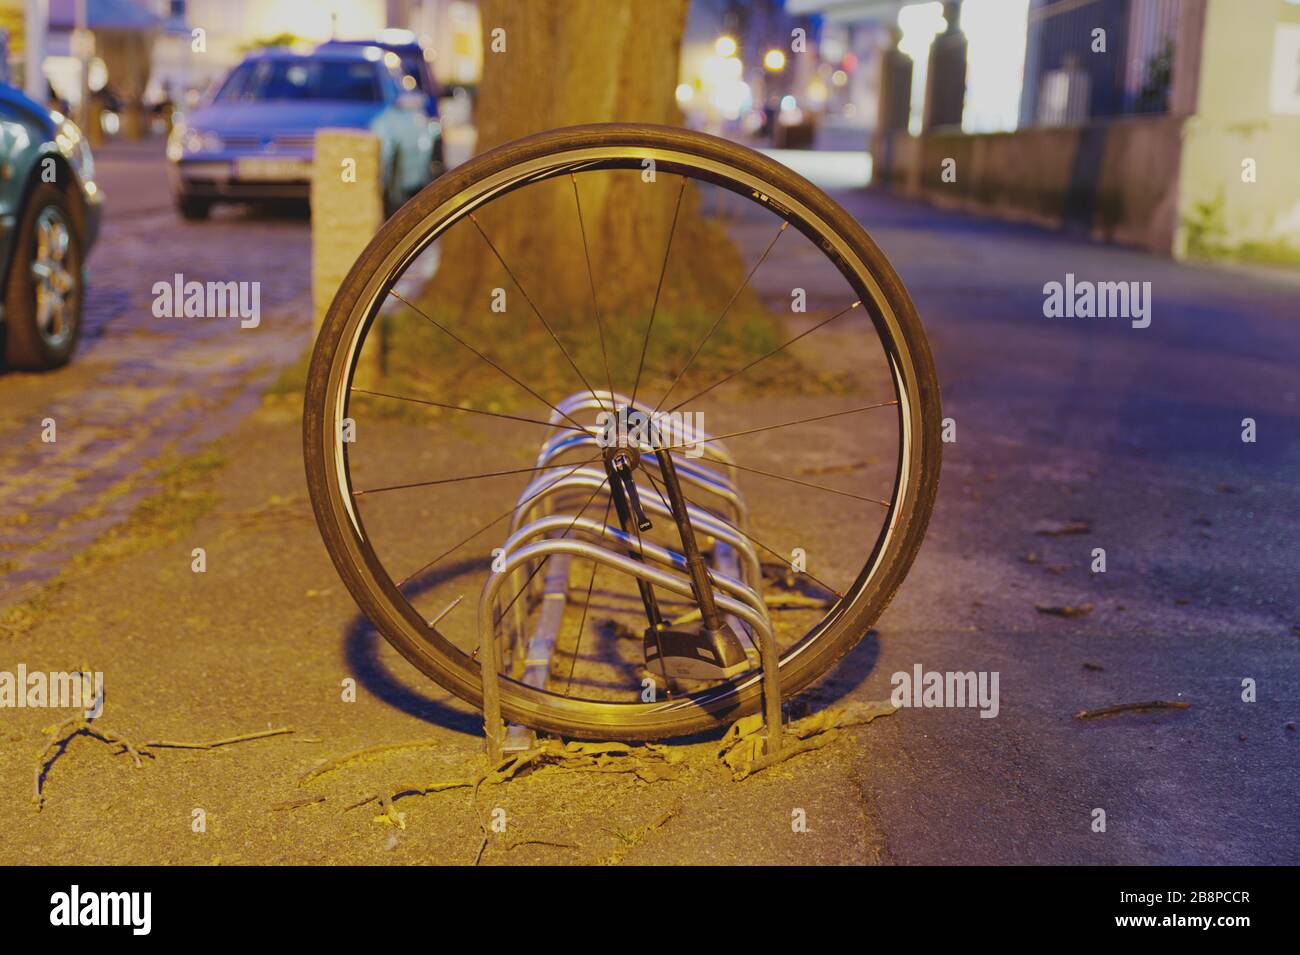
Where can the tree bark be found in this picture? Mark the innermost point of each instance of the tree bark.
(578, 61)
(569, 62)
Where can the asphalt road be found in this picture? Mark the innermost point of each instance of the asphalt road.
(1138, 433)
(1135, 433)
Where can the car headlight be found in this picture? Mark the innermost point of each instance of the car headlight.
(201, 142)
(73, 145)
(174, 148)
(184, 142)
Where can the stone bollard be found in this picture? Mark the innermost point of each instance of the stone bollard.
(347, 209)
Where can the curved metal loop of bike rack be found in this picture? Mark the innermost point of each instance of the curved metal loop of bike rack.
(563, 438)
(736, 577)
(707, 479)
(648, 549)
(602, 400)
(490, 661)
(548, 485)
(588, 478)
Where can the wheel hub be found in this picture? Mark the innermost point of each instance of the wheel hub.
(53, 283)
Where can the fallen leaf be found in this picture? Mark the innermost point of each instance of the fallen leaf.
(391, 818)
(834, 468)
(1066, 611)
(1061, 528)
(742, 746)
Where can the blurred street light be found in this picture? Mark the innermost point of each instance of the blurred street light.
(732, 98)
(774, 60)
(725, 46)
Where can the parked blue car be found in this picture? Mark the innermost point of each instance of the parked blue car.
(254, 138)
(50, 210)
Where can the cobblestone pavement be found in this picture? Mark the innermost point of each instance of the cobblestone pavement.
(140, 387)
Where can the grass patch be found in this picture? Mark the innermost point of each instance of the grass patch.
(423, 362)
(162, 517)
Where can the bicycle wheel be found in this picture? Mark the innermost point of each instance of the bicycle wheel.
(414, 524)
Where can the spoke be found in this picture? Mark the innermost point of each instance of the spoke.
(460, 341)
(496, 520)
(455, 480)
(591, 279)
(808, 484)
(545, 324)
(718, 321)
(645, 343)
(490, 414)
(786, 561)
(755, 540)
(784, 424)
(445, 610)
(779, 348)
(591, 583)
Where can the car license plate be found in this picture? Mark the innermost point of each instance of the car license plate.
(272, 170)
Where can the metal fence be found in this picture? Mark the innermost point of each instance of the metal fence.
(1089, 59)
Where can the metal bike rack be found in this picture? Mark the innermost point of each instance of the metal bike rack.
(547, 524)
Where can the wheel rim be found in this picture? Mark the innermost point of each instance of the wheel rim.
(423, 644)
(54, 278)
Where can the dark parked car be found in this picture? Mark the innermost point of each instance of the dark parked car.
(416, 77)
(255, 138)
(50, 210)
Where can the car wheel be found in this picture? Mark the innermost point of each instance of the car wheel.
(192, 208)
(43, 300)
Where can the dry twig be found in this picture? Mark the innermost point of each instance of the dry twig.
(67, 731)
(1146, 707)
(340, 761)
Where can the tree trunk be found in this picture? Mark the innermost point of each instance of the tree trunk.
(577, 61)
(568, 62)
